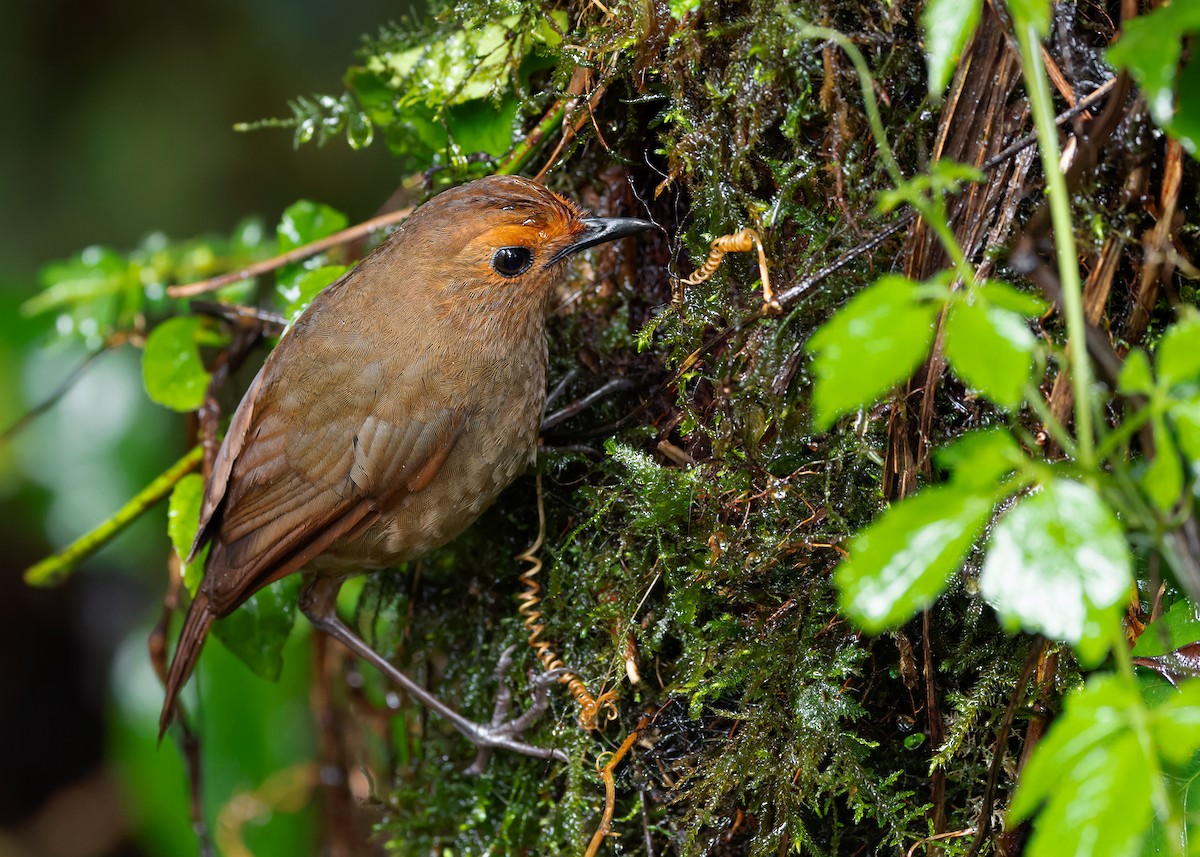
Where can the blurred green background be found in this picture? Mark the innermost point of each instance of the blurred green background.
(118, 123)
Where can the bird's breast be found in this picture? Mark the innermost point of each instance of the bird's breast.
(501, 401)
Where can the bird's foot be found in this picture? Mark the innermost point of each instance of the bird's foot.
(318, 600)
(505, 732)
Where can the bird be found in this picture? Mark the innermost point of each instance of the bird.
(391, 414)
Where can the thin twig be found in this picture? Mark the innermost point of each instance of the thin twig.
(984, 825)
(952, 834)
(353, 233)
(57, 567)
(50, 401)
(616, 385)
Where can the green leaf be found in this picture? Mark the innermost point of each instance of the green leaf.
(681, 8)
(1136, 376)
(480, 126)
(470, 63)
(298, 290)
(991, 349)
(1163, 477)
(872, 344)
(1175, 724)
(1149, 49)
(1005, 296)
(1058, 565)
(1185, 414)
(1092, 774)
(304, 222)
(1031, 13)
(1185, 127)
(981, 459)
(183, 519)
(1178, 352)
(944, 176)
(903, 560)
(1183, 787)
(257, 631)
(1178, 626)
(948, 25)
(172, 370)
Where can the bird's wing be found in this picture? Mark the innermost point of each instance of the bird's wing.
(218, 481)
(301, 472)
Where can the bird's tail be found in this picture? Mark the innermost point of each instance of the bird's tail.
(191, 640)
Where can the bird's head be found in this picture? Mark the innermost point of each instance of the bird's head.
(507, 236)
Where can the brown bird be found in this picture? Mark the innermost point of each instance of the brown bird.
(391, 414)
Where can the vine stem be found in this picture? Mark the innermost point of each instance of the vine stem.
(866, 82)
(1037, 84)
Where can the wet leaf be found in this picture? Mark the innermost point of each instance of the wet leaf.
(981, 459)
(1178, 626)
(1057, 564)
(948, 25)
(1176, 666)
(903, 560)
(304, 222)
(872, 344)
(257, 631)
(183, 519)
(172, 370)
(1163, 476)
(991, 349)
(298, 290)
(1136, 376)
(1092, 776)
(481, 126)
(1149, 49)
(1178, 352)
(1005, 296)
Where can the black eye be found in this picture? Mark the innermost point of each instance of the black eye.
(512, 261)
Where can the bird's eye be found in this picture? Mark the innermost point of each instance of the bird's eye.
(512, 261)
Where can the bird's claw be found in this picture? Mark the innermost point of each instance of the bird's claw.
(503, 732)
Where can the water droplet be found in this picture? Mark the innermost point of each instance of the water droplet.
(360, 131)
(305, 131)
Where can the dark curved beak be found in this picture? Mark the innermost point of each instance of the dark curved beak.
(601, 230)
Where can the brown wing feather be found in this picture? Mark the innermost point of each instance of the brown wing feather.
(299, 475)
(235, 440)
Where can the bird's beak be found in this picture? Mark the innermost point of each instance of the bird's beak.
(600, 230)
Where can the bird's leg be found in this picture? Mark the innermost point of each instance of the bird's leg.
(318, 601)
